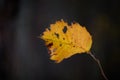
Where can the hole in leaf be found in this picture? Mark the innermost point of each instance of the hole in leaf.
(57, 35)
(65, 29)
(60, 44)
(49, 45)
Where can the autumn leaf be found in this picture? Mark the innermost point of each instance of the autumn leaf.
(65, 40)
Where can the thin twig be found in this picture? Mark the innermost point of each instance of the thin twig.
(99, 64)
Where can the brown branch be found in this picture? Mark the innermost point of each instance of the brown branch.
(99, 64)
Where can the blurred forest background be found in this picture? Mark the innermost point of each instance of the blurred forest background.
(23, 56)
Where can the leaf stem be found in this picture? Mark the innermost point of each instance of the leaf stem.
(99, 64)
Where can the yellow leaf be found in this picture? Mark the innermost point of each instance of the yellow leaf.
(65, 40)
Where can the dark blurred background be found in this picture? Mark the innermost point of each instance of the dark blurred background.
(23, 56)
